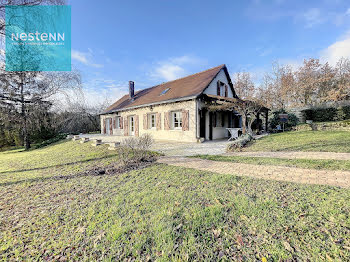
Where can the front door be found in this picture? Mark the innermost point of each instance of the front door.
(108, 126)
(132, 126)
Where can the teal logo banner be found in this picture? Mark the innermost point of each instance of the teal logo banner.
(38, 38)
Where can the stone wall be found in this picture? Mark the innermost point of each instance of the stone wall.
(325, 126)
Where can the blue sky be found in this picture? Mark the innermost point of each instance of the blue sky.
(155, 41)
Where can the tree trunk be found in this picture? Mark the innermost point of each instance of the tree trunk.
(244, 124)
(26, 139)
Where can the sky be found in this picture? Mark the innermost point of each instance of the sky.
(155, 41)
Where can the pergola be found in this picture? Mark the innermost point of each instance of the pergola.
(216, 103)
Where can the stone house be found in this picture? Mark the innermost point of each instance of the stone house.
(175, 110)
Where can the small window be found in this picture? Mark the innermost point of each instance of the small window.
(152, 120)
(132, 125)
(177, 120)
(164, 91)
(117, 122)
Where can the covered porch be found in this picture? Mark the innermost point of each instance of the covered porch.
(217, 114)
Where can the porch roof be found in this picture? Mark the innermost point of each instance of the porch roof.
(228, 100)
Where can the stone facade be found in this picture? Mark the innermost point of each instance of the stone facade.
(161, 130)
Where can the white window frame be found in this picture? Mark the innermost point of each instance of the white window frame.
(117, 119)
(176, 122)
(132, 125)
(150, 116)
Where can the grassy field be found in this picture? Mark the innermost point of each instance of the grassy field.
(302, 163)
(325, 141)
(160, 212)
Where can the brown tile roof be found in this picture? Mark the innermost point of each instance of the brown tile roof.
(189, 86)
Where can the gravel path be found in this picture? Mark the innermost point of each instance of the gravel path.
(280, 173)
(295, 155)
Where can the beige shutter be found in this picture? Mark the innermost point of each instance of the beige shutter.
(121, 122)
(185, 120)
(167, 120)
(126, 129)
(145, 125)
(104, 126)
(159, 121)
(136, 119)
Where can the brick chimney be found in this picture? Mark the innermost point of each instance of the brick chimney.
(131, 89)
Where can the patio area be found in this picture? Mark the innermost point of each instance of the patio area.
(172, 148)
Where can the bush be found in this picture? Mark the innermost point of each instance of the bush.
(239, 143)
(327, 114)
(275, 120)
(135, 149)
(51, 141)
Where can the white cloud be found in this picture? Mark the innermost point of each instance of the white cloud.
(85, 58)
(348, 11)
(313, 17)
(337, 50)
(174, 68)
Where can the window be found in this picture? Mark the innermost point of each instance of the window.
(117, 122)
(152, 120)
(222, 89)
(164, 91)
(132, 126)
(177, 120)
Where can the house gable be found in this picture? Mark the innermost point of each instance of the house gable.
(225, 79)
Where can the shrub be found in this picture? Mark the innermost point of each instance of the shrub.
(327, 114)
(135, 149)
(239, 143)
(51, 140)
(275, 120)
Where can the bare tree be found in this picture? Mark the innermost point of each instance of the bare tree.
(4, 3)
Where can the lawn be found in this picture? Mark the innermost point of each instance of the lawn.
(325, 141)
(160, 212)
(301, 163)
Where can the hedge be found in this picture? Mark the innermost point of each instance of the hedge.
(325, 126)
(327, 114)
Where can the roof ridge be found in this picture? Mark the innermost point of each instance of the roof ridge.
(222, 65)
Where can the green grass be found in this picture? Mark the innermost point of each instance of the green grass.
(302, 163)
(324, 141)
(160, 213)
(62, 158)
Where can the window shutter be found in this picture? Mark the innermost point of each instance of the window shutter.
(159, 121)
(104, 126)
(111, 126)
(145, 122)
(218, 88)
(226, 91)
(167, 120)
(136, 119)
(121, 122)
(115, 122)
(185, 120)
(126, 129)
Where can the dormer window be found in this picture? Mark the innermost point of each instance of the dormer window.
(164, 91)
